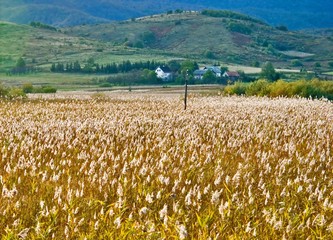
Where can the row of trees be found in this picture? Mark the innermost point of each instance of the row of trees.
(22, 68)
(111, 68)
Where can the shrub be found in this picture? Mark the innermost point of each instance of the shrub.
(330, 64)
(296, 63)
(239, 27)
(258, 88)
(45, 89)
(279, 88)
(3, 91)
(27, 88)
(99, 96)
(303, 88)
(209, 54)
(11, 93)
(16, 93)
(282, 28)
(238, 88)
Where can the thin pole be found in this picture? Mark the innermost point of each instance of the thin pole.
(185, 100)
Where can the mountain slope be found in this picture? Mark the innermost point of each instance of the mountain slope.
(295, 15)
(235, 38)
(230, 38)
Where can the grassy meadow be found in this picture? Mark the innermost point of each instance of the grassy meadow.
(40, 48)
(137, 166)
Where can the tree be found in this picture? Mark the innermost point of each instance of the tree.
(209, 54)
(88, 68)
(138, 44)
(224, 69)
(76, 67)
(296, 63)
(330, 64)
(239, 27)
(91, 61)
(317, 65)
(269, 72)
(282, 28)
(209, 77)
(255, 64)
(53, 67)
(149, 76)
(188, 66)
(174, 65)
(20, 63)
(148, 37)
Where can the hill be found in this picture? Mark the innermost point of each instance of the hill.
(294, 15)
(227, 38)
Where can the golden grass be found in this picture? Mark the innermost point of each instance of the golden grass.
(132, 167)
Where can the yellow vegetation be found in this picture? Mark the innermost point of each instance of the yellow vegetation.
(142, 168)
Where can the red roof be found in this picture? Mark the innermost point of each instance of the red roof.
(233, 74)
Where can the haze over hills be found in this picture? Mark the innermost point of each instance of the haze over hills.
(295, 14)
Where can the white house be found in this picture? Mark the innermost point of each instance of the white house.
(216, 70)
(198, 74)
(164, 73)
(233, 76)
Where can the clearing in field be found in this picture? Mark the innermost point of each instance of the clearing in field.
(140, 167)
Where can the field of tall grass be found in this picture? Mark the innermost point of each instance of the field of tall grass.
(140, 167)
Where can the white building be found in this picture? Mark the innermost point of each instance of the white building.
(164, 73)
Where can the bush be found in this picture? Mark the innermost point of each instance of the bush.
(238, 88)
(45, 89)
(302, 88)
(11, 93)
(16, 93)
(27, 88)
(280, 88)
(330, 64)
(3, 91)
(296, 63)
(258, 88)
(209, 54)
(239, 27)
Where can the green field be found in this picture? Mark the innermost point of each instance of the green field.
(206, 40)
(58, 80)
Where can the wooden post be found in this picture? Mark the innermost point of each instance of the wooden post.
(185, 99)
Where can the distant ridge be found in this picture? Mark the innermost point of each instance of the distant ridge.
(303, 14)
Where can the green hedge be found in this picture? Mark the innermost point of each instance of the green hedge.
(303, 88)
(45, 89)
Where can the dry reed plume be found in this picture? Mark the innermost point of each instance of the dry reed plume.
(142, 168)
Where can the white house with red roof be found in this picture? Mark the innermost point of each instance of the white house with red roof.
(234, 76)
